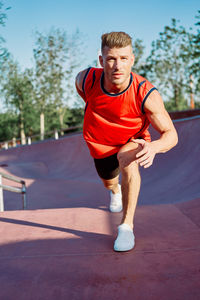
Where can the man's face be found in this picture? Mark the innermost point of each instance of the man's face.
(117, 63)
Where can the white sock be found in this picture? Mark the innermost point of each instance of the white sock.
(116, 201)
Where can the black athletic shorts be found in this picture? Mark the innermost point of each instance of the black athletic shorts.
(108, 167)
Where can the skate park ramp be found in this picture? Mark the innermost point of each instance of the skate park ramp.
(61, 247)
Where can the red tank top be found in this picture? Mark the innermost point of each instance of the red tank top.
(111, 120)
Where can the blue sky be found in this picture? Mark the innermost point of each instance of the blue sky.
(141, 19)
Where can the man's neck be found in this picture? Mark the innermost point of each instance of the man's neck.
(115, 88)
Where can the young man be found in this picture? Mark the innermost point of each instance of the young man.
(120, 105)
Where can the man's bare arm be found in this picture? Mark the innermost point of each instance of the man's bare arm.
(79, 80)
(161, 121)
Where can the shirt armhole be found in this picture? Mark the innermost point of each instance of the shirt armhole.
(145, 98)
(84, 79)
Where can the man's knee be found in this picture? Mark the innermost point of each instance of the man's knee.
(127, 160)
(129, 169)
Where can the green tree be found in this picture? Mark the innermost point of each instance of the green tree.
(196, 55)
(8, 126)
(74, 117)
(169, 64)
(3, 17)
(4, 55)
(48, 72)
(139, 66)
(55, 61)
(2, 23)
(74, 58)
(18, 92)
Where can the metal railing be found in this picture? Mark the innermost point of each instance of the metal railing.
(21, 190)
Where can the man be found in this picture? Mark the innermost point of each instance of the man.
(120, 105)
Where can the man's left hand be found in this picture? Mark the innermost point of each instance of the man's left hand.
(146, 156)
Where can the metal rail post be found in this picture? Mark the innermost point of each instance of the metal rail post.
(1, 195)
(21, 190)
(24, 194)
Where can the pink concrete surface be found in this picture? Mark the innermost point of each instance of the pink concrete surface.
(61, 247)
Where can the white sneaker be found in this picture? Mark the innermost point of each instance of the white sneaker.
(116, 201)
(125, 240)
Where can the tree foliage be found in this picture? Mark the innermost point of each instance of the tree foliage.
(55, 56)
(3, 17)
(139, 66)
(8, 126)
(19, 94)
(169, 64)
(2, 14)
(196, 54)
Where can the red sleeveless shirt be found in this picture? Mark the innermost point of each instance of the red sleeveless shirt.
(111, 120)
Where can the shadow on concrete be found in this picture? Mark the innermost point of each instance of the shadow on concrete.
(39, 261)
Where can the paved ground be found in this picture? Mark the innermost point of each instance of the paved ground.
(61, 247)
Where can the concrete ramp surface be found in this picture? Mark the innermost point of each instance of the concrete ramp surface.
(61, 247)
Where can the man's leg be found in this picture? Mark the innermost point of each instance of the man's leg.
(130, 180)
(112, 184)
(130, 190)
(115, 194)
(108, 170)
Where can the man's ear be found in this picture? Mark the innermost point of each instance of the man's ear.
(101, 60)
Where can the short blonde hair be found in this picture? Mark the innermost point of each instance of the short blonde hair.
(115, 39)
